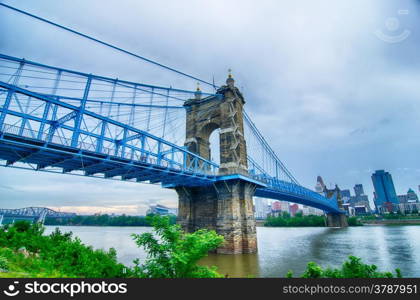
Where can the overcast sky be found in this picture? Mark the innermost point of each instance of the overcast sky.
(334, 86)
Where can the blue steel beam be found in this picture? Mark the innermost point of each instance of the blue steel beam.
(193, 157)
(135, 174)
(54, 163)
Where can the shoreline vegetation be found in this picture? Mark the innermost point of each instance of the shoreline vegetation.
(391, 222)
(283, 220)
(104, 220)
(25, 252)
(299, 220)
(392, 219)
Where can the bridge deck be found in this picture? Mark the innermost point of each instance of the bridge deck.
(15, 148)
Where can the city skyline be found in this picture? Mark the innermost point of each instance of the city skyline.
(341, 112)
(361, 188)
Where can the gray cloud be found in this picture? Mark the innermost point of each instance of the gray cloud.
(331, 97)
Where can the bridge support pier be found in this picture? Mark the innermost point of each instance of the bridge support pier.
(225, 207)
(337, 220)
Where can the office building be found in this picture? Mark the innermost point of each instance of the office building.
(308, 210)
(345, 195)
(293, 209)
(358, 190)
(262, 208)
(385, 195)
(161, 210)
(412, 196)
(402, 199)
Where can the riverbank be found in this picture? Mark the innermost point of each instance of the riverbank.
(104, 220)
(27, 252)
(281, 249)
(299, 220)
(391, 222)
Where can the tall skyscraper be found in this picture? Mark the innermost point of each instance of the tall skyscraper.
(262, 209)
(358, 190)
(384, 189)
(345, 195)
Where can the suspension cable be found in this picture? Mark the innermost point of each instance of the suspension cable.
(107, 44)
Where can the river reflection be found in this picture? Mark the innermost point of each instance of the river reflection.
(283, 249)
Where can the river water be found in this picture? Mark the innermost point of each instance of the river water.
(281, 249)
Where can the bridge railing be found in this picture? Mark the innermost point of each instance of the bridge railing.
(81, 129)
(155, 109)
(295, 190)
(29, 133)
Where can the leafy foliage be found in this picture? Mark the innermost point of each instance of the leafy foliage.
(104, 220)
(352, 268)
(27, 252)
(173, 253)
(285, 220)
(4, 265)
(54, 255)
(354, 221)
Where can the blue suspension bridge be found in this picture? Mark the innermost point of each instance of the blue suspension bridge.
(58, 120)
(64, 121)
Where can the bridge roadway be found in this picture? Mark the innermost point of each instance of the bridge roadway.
(23, 148)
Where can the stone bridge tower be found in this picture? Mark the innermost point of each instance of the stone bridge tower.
(336, 220)
(226, 206)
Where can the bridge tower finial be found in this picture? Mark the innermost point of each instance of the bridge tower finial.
(198, 92)
(230, 81)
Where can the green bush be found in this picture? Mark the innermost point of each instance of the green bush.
(354, 221)
(352, 268)
(27, 252)
(57, 254)
(285, 220)
(4, 266)
(103, 220)
(175, 254)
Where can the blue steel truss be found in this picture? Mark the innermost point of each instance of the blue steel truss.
(58, 120)
(38, 214)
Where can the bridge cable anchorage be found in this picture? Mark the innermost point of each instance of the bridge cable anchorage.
(107, 44)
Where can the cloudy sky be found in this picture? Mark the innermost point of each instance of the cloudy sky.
(334, 86)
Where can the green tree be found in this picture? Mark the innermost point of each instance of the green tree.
(27, 250)
(173, 253)
(352, 268)
(285, 220)
(354, 221)
(104, 220)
